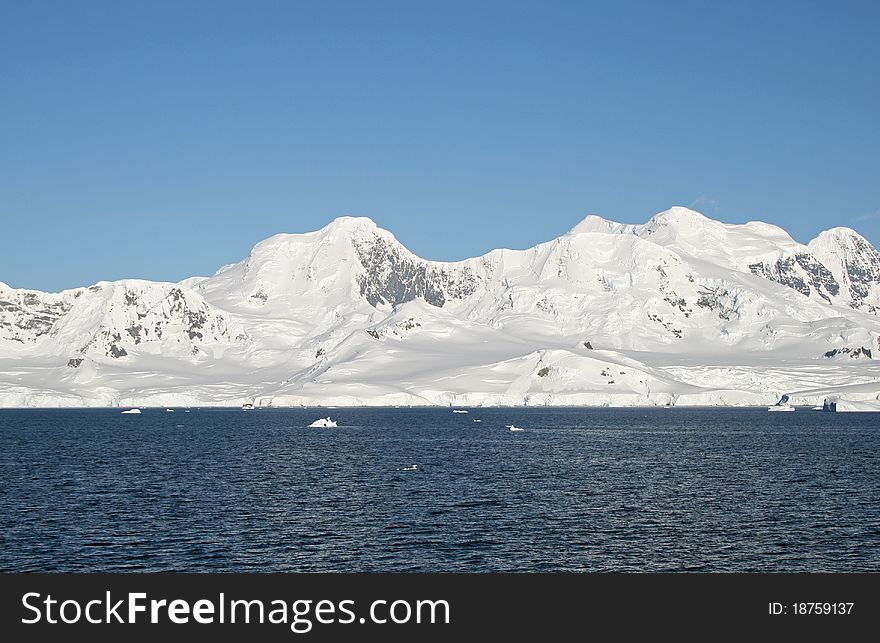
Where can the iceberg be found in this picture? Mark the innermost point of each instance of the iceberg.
(322, 423)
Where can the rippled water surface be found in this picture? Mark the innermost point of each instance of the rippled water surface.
(591, 490)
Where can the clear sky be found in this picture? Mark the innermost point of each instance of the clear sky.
(162, 140)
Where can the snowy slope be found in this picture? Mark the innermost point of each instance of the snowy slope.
(679, 310)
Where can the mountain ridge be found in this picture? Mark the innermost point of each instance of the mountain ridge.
(348, 315)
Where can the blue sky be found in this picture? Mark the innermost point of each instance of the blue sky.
(163, 139)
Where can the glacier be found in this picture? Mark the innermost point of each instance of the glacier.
(681, 310)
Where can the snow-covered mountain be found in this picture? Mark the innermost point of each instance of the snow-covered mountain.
(679, 310)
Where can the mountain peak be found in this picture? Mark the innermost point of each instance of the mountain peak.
(351, 223)
(677, 215)
(845, 242)
(839, 234)
(680, 224)
(595, 223)
(351, 229)
(338, 229)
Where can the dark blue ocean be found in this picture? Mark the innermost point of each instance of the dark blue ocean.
(578, 490)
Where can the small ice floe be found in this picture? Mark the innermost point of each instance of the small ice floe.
(412, 467)
(169, 410)
(781, 405)
(458, 411)
(477, 420)
(322, 423)
(132, 412)
(511, 427)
